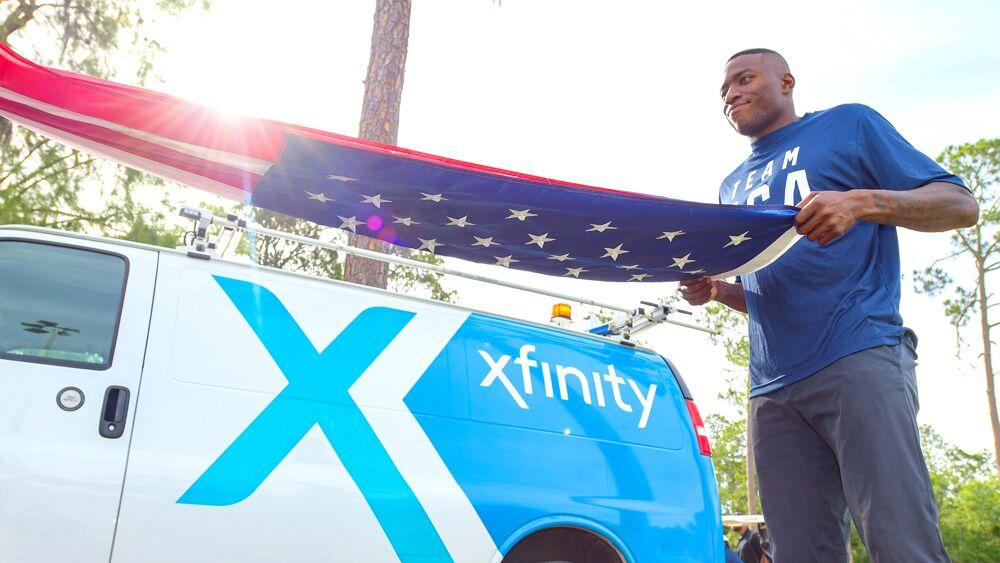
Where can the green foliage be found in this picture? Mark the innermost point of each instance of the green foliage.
(411, 280)
(968, 498)
(292, 256)
(858, 551)
(979, 165)
(970, 521)
(147, 226)
(86, 35)
(38, 186)
(732, 332)
(729, 436)
(44, 183)
(312, 260)
(951, 467)
(729, 456)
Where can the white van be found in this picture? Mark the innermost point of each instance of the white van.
(159, 407)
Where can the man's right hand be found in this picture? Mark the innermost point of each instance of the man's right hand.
(699, 291)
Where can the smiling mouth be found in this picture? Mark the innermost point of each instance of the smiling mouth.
(736, 108)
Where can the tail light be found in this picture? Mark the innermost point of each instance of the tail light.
(704, 446)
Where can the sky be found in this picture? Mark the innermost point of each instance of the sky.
(621, 95)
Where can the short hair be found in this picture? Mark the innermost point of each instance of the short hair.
(759, 51)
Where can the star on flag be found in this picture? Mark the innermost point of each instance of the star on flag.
(428, 244)
(505, 261)
(614, 253)
(485, 242)
(375, 200)
(601, 228)
(669, 235)
(521, 215)
(682, 261)
(540, 240)
(737, 239)
(350, 223)
(320, 197)
(459, 222)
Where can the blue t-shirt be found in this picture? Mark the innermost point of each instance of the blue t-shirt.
(817, 304)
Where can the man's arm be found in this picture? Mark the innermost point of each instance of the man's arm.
(935, 207)
(700, 291)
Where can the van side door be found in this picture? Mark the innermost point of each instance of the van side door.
(74, 315)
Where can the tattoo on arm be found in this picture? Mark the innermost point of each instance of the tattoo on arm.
(938, 206)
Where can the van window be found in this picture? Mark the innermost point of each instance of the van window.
(59, 305)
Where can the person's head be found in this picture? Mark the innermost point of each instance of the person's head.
(757, 92)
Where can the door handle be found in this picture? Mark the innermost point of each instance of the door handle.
(114, 412)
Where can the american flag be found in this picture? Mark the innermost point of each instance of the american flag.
(411, 199)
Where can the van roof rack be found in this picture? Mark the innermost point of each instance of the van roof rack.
(200, 244)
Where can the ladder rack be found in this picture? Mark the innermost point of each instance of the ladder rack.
(203, 246)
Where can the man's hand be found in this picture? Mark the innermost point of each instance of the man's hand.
(824, 216)
(699, 291)
(935, 207)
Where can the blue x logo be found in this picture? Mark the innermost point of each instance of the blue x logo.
(317, 393)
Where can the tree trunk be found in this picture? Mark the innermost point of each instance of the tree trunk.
(380, 116)
(17, 19)
(991, 396)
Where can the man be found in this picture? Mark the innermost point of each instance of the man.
(731, 556)
(833, 394)
(748, 548)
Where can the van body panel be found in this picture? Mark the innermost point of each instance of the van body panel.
(211, 377)
(60, 480)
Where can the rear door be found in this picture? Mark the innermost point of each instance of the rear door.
(73, 323)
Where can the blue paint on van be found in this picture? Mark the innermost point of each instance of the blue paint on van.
(564, 461)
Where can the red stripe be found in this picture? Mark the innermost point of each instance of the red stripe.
(227, 175)
(140, 109)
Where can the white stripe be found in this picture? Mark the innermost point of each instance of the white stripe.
(129, 159)
(379, 393)
(250, 164)
(766, 257)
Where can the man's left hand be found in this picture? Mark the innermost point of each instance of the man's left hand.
(824, 216)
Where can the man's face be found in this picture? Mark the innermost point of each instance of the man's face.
(753, 93)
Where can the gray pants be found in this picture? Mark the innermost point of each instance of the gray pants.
(844, 443)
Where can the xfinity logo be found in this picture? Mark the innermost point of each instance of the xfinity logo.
(566, 377)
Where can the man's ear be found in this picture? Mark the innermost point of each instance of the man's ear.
(787, 83)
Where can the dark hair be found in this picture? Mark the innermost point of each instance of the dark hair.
(759, 51)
